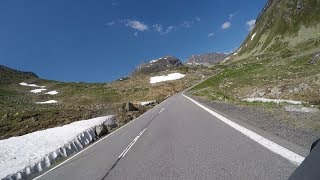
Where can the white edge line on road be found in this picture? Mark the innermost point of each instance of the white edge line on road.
(161, 110)
(131, 144)
(291, 156)
(86, 148)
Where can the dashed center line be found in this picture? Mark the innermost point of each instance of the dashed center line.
(131, 144)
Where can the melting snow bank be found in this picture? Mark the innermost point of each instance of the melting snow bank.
(47, 102)
(23, 156)
(293, 108)
(31, 85)
(37, 90)
(52, 92)
(169, 77)
(272, 100)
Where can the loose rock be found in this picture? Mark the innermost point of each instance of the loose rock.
(130, 107)
(101, 130)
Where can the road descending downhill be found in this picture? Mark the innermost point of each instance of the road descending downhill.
(178, 139)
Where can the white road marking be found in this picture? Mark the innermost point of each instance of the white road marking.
(161, 110)
(291, 156)
(131, 144)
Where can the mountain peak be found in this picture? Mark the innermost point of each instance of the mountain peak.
(157, 65)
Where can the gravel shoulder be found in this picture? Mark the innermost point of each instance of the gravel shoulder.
(296, 127)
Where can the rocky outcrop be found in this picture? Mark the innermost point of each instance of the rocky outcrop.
(157, 65)
(208, 59)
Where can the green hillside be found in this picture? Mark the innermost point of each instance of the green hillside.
(280, 58)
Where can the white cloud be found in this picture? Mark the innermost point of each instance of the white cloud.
(211, 34)
(198, 19)
(187, 24)
(232, 15)
(137, 25)
(226, 25)
(159, 28)
(111, 23)
(251, 24)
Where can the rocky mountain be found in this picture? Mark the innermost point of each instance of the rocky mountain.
(207, 59)
(157, 65)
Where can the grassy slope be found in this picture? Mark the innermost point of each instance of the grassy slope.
(76, 101)
(287, 38)
(275, 62)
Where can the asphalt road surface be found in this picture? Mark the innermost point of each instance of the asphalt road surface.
(178, 139)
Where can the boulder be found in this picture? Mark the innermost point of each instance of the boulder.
(315, 58)
(110, 124)
(130, 107)
(101, 130)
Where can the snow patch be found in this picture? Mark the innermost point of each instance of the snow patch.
(226, 59)
(52, 92)
(272, 100)
(169, 77)
(32, 153)
(300, 109)
(253, 36)
(37, 90)
(146, 103)
(47, 102)
(31, 85)
(155, 60)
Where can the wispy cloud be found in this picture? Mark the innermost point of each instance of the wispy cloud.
(211, 34)
(187, 24)
(160, 29)
(111, 23)
(232, 15)
(136, 25)
(114, 2)
(226, 25)
(190, 23)
(251, 24)
(135, 34)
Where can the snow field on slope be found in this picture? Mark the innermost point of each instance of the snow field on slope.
(32, 153)
(169, 77)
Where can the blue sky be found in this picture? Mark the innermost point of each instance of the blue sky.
(100, 41)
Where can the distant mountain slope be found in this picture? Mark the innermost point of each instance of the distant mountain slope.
(207, 59)
(284, 27)
(9, 75)
(157, 65)
(20, 113)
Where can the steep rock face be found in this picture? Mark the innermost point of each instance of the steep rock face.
(206, 59)
(283, 27)
(157, 65)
